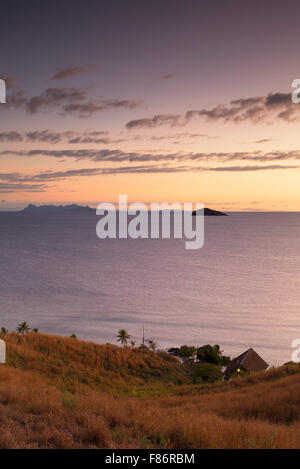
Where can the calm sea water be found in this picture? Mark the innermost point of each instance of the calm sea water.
(241, 290)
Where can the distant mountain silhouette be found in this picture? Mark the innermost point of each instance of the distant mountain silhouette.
(209, 212)
(57, 208)
(80, 208)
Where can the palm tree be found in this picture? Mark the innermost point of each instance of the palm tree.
(132, 343)
(23, 328)
(73, 336)
(4, 330)
(123, 337)
(35, 330)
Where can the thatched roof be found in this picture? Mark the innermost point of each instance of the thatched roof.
(248, 361)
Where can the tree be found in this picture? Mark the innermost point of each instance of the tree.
(152, 345)
(173, 351)
(35, 330)
(23, 328)
(73, 336)
(225, 360)
(132, 343)
(187, 352)
(123, 337)
(4, 330)
(212, 354)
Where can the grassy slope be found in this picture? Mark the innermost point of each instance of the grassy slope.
(64, 393)
(70, 363)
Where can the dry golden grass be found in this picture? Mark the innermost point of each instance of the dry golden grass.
(63, 393)
(71, 363)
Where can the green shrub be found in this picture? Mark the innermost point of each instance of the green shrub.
(206, 372)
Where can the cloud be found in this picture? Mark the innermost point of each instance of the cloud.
(160, 119)
(102, 155)
(257, 109)
(46, 136)
(167, 169)
(86, 137)
(167, 76)
(15, 182)
(94, 140)
(66, 101)
(90, 108)
(12, 136)
(15, 100)
(56, 175)
(263, 140)
(179, 136)
(179, 169)
(55, 97)
(274, 106)
(68, 72)
(53, 137)
(117, 156)
(79, 102)
(39, 182)
(6, 188)
(252, 168)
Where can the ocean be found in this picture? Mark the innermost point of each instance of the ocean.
(241, 290)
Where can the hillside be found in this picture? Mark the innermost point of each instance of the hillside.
(64, 393)
(69, 362)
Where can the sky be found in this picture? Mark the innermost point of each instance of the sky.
(186, 101)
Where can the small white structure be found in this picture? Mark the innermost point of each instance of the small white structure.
(2, 351)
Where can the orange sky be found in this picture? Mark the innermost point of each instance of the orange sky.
(273, 189)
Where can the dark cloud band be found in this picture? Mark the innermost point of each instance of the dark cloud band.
(274, 106)
(118, 156)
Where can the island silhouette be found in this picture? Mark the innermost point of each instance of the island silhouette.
(81, 208)
(209, 212)
(57, 208)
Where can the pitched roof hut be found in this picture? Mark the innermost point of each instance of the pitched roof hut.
(247, 361)
(2, 351)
